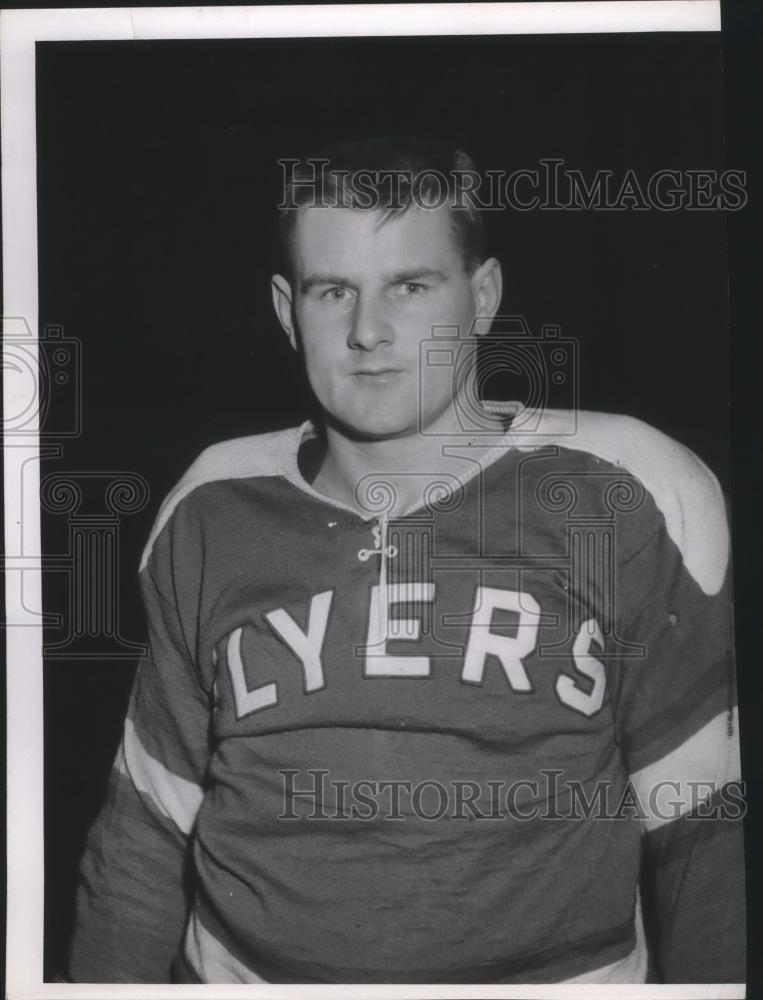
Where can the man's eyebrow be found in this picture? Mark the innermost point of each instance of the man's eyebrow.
(317, 279)
(313, 280)
(417, 274)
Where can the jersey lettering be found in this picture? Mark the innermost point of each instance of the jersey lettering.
(509, 650)
(246, 701)
(567, 690)
(378, 662)
(484, 642)
(306, 646)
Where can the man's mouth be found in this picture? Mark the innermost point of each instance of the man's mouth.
(377, 373)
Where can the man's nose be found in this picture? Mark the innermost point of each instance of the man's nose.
(370, 324)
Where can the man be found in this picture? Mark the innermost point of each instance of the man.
(424, 682)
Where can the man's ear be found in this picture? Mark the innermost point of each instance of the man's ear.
(487, 287)
(283, 305)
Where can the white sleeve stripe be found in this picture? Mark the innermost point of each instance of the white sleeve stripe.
(211, 960)
(676, 784)
(631, 969)
(119, 762)
(176, 798)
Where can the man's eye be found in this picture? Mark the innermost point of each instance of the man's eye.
(412, 288)
(335, 294)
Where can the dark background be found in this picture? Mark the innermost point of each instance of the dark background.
(157, 181)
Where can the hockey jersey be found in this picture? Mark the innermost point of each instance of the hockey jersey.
(444, 746)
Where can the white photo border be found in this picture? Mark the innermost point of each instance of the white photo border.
(20, 30)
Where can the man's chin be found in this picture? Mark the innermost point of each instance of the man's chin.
(382, 428)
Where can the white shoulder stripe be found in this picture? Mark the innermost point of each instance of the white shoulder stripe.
(258, 455)
(684, 489)
(679, 781)
(176, 798)
(211, 960)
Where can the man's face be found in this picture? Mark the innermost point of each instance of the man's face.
(366, 293)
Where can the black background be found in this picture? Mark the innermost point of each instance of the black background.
(157, 181)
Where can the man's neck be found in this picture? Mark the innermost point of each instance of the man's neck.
(364, 472)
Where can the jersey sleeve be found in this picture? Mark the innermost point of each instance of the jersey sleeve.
(132, 900)
(677, 727)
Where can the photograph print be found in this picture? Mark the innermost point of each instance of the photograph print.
(385, 503)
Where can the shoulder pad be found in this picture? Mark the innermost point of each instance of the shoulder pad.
(683, 488)
(239, 458)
